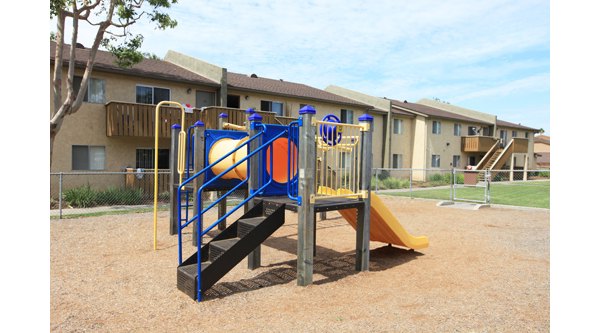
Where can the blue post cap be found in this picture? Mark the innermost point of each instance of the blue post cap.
(307, 109)
(199, 123)
(250, 110)
(223, 115)
(365, 117)
(255, 117)
(176, 126)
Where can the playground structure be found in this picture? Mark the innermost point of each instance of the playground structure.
(308, 166)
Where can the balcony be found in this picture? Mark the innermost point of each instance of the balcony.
(477, 144)
(521, 145)
(137, 120)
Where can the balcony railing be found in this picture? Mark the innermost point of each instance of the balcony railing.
(521, 145)
(477, 144)
(137, 120)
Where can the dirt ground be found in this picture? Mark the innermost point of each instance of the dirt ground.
(484, 271)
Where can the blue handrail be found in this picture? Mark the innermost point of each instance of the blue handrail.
(250, 197)
(292, 186)
(199, 173)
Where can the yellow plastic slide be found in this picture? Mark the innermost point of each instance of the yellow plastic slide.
(385, 227)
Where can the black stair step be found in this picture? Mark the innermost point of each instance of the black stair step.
(217, 248)
(186, 278)
(246, 225)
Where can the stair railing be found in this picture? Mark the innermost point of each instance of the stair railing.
(488, 155)
(292, 158)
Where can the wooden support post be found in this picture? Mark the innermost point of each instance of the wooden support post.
(174, 180)
(199, 152)
(254, 182)
(363, 230)
(306, 188)
(525, 167)
(511, 176)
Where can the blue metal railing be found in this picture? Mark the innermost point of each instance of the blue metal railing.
(292, 159)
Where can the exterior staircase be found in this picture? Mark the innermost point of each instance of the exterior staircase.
(228, 248)
(489, 163)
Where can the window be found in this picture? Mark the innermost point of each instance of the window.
(144, 158)
(526, 135)
(514, 134)
(276, 107)
(456, 161)
(396, 161)
(457, 129)
(472, 160)
(435, 161)
(436, 128)
(95, 89)
(398, 126)
(233, 101)
(151, 95)
(87, 157)
(472, 130)
(347, 116)
(205, 98)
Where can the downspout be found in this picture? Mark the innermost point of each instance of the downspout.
(223, 92)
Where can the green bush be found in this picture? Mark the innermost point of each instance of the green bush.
(81, 197)
(119, 196)
(545, 174)
(389, 183)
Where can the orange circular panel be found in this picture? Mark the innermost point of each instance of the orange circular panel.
(280, 162)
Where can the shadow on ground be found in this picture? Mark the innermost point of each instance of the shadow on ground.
(330, 264)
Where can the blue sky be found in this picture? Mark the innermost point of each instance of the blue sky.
(492, 56)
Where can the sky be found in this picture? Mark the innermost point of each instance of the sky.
(491, 56)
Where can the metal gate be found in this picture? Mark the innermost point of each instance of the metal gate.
(471, 186)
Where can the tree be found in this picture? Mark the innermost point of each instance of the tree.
(112, 21)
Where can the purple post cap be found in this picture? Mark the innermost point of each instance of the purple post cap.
(255, 117)
(307, 109)
(176, 126)
(250, 110)
(365, 117)
(199, 123)
(223, 115)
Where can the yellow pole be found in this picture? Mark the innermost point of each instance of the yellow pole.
(156, 121)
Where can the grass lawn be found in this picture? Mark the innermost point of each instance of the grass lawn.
(527, 194)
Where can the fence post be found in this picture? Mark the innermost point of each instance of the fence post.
(363, 229)
(488, 180)
(410, 175)
(452, 187)
(173, 179)
(525, 167)
(60, 183)
(306, 188)
(222, 210)
(254, 178)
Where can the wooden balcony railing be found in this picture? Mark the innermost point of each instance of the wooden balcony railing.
(137, 120)
(477, 144)
(521, 145)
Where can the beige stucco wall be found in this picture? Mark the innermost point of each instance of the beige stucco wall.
(402, 143)
(539, 147)
(88, 125)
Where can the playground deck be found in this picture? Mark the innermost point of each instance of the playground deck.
(485, 270)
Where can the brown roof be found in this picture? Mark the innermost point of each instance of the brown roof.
(513, 125)
(541, 139)
(157, 69)
(434, 112)
(286, 88)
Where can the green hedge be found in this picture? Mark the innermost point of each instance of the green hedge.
(85, 196)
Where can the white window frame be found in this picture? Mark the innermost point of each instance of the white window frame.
(87, 98)
(347, 112)
(514, 134)
(398, 129)
(433, 159)
(153, 87)
(433, 127)
(459, 127)
(454, 163)
(90, 162)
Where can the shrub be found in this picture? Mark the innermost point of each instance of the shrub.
(81, 197)
(544, 174)
(119, 196)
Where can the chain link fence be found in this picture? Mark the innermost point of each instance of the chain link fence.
(517, 187)
(74, 194)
